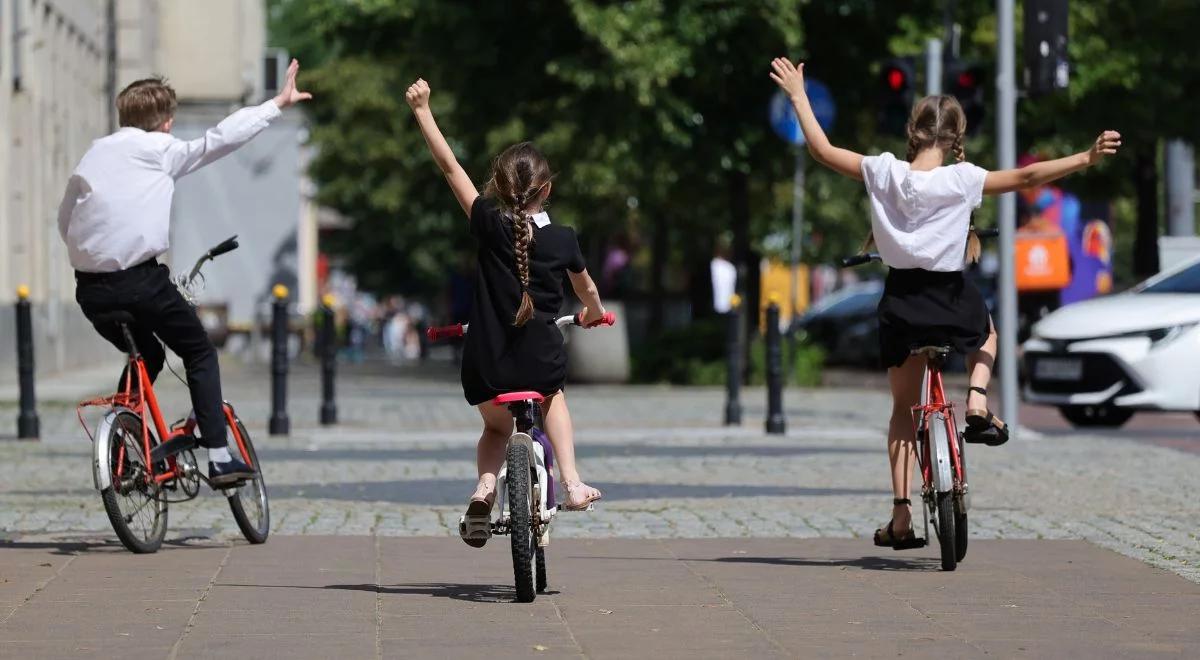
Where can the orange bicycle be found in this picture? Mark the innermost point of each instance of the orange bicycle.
(140, 467)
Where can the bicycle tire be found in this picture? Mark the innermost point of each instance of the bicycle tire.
(946, 536)
(520, 527)
(541, 570)
(255, 523)
(960, 514)
(126, 430)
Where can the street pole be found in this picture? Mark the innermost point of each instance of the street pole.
(933, 67)
(797, 228)
(1181, 188)
(1006, 157)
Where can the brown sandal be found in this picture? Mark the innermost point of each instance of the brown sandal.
(475, 526)
(983, 427)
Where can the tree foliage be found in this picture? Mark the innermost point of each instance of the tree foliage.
(653, 111)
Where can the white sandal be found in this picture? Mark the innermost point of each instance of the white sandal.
(589, 495)
(475, 526)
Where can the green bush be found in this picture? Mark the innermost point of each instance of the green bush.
(695, 355)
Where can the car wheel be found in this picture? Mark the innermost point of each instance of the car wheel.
(1096, 416)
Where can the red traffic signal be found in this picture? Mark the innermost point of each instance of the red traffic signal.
(896, 80)
(897, 76)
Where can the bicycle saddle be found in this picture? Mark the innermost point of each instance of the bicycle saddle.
(931, 351)
(118, 317)
(517, 396)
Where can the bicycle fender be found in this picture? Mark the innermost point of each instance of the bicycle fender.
(101, 471)
(943, 470)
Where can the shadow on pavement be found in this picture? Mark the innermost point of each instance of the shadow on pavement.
(475, 593)
(74, 547)
(865, 563)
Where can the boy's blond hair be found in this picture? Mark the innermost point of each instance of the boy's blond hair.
(146, 104)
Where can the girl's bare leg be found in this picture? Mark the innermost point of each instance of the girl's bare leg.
(979, 368)
(489, 454)
(905, 382)
(556, 421)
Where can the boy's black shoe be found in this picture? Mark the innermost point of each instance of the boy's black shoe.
(232, 473)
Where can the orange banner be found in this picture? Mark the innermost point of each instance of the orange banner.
(1042, 262)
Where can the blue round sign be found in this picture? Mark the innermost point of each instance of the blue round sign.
(783, 116)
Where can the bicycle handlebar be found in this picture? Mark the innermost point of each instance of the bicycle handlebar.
(228, 245)
(437, 333)
(868, 257)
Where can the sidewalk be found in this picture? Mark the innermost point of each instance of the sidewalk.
(363, 597)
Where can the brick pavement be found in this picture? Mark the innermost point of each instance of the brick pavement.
(402, 463)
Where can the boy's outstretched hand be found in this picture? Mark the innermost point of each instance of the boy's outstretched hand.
(418, 94)
(288, 95)
(1104, 145)
(788, 76)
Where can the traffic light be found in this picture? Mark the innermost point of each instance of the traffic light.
(1046, 66)
(964, 80)
(897, 79)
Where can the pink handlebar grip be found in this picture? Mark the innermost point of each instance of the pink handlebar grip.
(609, 318)
(444, 332)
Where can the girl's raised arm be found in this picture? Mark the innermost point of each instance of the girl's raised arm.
(791, 80)
(1002, 181)
(460, 184)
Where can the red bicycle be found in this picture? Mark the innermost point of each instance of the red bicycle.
(940, 452)
(140, 468)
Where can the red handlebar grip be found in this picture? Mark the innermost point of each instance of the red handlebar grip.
(609, 318)
(444, 332)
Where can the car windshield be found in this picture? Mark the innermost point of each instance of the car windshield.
(848, 303)
(1184, 281)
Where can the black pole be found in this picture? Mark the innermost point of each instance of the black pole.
(775, 420)
(328, 349)
(27, 418)
(733, 356)
(279, 338)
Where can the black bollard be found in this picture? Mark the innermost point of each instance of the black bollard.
(328, 348)
(279, 358)
(27, 418)
(775, 420)
(733, 355)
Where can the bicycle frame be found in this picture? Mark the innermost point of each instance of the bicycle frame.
(934, 402)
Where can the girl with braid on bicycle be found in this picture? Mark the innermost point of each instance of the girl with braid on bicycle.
(921, 224)
(514, 344)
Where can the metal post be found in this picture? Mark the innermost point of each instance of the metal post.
(775, 420)
(27, 418)
(1181, 188)
(797, 228)
(328, 348)
(933, 67)
(1006, 147)
(733, 356)
(279, 424)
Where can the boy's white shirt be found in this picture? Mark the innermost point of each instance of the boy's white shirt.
(116, 211)
(920, 219)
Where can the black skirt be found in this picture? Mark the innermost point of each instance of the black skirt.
(923, 308)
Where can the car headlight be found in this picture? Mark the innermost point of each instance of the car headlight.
(1164, 335)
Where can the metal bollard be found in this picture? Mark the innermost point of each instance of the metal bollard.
(775, 421)
(328, 349)
(27, 418)
(733, 356)
(279, 424)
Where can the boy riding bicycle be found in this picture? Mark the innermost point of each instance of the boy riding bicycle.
(115, 219)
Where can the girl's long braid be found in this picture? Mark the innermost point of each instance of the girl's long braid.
(522, 225)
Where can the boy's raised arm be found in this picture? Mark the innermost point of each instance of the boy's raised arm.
(460, 183)
(186, 156)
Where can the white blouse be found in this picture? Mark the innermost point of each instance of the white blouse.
(920, 219)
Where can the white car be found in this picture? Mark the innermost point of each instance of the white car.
(1101, 360)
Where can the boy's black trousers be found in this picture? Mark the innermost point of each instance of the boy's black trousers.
(160, 312)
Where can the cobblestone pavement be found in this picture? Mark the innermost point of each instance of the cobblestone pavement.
(402, 463)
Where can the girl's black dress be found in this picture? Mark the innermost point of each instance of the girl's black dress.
(499, 357)
(930, 308)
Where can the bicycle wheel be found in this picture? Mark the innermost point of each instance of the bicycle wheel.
(541, 570)
(960, 509)
(249, 501)
(134, 504)
(520, 527)
(945, 530)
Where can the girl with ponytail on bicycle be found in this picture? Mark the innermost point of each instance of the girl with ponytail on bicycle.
(514, 344)
(921, 224)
